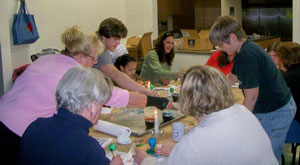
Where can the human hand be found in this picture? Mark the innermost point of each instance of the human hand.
(181, 73)
(139, 156)
(151, 93)
(170, 105)
(141, 82)
(116, 160)
(165, 82)
(146, 83)
(165, 149)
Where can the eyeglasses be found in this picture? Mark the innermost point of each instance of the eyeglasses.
(94, 58)
(219, 47)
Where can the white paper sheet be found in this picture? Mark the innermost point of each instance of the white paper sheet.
(123, 133)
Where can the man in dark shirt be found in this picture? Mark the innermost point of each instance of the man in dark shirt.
(266, 93)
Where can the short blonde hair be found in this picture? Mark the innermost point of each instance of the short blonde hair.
(289, 53)
(223, 27)
(204, 90)
(76, 41)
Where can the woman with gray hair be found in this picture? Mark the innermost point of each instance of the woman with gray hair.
(63, 138)
(227, 132)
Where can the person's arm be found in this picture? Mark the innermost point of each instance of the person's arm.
(122, 98)
(166, 149)
(116, 160)
(154, 64)
(136, 100)
(139, 100)
(251, 96)
(123, 80)
(142, 158)
(232, 78)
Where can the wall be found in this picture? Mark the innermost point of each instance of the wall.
(206, 12)
(186, 60)
(237, 4)
(53, 16)
(1, 75)
(5, 43)
(141, 17)
(296, 21)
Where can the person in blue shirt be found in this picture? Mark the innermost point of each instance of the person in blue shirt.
(64, 137)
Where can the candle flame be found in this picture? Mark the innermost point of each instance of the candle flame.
(155, 112)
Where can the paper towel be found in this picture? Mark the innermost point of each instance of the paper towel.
(122, 133)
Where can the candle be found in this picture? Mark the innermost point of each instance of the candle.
(155, 122)
(148, 85)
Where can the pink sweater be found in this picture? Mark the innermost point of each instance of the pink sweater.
(33, 93)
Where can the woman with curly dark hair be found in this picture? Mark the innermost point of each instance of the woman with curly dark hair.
(158, 62)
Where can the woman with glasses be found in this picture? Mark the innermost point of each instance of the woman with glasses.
(271, 49)
(158, 62)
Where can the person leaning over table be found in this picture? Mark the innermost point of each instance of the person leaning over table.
(33, 93)
(288, 54)
(110, 31)
(158, 62)
(266, 93)
(227, 133)
(64, 137)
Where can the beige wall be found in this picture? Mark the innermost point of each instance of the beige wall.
(296, 21)
(5, 43)
(141, 17)
(237, 4)
(53, 16)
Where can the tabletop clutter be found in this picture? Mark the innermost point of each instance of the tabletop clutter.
(130, 122)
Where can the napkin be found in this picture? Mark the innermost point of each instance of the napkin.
(122, 133)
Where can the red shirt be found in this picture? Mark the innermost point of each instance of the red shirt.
(213, 61)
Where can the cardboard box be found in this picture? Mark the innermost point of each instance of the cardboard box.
(132, 46)
(139, 46)
(133, 41)
(196, 41)
(205, 44)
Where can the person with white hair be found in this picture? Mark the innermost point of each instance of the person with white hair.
(63, 138)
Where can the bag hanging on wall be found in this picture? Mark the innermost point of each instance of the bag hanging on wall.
(24, 29)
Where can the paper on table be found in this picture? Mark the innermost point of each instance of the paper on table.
(235, 85)
(123, 133)
(106, 110)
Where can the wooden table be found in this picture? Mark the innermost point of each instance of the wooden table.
(167, 135)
